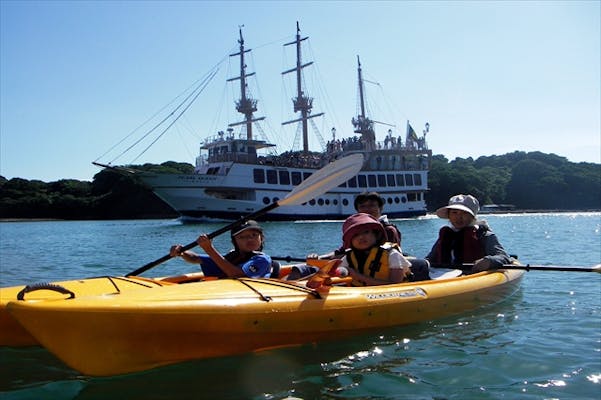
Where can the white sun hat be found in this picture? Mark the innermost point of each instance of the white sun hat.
(463, 202)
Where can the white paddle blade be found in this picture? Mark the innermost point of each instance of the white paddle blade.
(325, 179)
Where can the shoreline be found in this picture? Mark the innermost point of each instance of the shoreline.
(176, 217)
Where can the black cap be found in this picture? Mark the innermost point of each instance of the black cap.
(363, 197)
(250, 224)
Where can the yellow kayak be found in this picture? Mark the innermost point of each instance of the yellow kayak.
(142, 329)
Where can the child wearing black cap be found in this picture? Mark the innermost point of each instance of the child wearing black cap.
(373, 204)
(246, 259)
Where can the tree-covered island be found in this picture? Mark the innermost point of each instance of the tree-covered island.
(529, 181)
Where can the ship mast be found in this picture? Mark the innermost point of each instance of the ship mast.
(301, 102)
(362, 123)
(245, 105)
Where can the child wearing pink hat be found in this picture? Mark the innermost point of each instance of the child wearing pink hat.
(369, 259)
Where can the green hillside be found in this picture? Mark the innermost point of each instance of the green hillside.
(530, 181)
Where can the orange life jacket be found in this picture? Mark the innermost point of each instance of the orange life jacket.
(376, 263)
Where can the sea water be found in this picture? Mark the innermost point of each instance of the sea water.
(542, 343)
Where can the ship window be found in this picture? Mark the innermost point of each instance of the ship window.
(390, 180)
(320, 202)
(400, 180)
(396, 200)
(259, 175)
(389, 200)
(382, 180)
(284, 178)
(352, 182)
(345, 202)
(411, 197)
(362, 181)
(409, 179)
(404, 199)
(276, 199)
(335, 201)
(327, 202)
(296, 178)
(371, 179)
(265, 200)
(306, 175)
(342, 185)
(272, 177)
(312, 202)
(417, 178)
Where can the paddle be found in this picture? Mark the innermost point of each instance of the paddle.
(317, 184)
(288, 258)
(528, 267)
(467, 267)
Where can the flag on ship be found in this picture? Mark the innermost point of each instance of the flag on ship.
(410, 132)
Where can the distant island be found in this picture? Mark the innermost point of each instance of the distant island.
(525, 180)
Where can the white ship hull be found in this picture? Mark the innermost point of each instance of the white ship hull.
(239, 192)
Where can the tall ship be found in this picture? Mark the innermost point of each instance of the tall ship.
(232, 177)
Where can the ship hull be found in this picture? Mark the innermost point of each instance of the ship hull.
(240, 189)
(193, 216)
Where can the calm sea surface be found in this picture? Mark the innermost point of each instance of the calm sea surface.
(542, 343)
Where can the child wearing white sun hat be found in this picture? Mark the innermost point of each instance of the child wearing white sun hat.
(466, 239)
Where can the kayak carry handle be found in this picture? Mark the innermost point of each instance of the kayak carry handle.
(44, 286)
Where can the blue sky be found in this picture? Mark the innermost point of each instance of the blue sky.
(489, 77)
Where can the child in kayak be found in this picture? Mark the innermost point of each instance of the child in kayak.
(373, 204)
(245, 260)
(369, 259)
(466, 239)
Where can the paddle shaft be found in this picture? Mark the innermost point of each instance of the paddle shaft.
(288, 258)
(211, 235)
(528, 267)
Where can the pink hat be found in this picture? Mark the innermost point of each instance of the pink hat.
(463, 202)
(357, 223)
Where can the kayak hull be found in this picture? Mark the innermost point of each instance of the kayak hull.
(140, 330)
